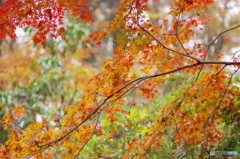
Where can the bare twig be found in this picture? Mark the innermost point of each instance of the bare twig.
(165, 47)
(220, 70)
(222, 33)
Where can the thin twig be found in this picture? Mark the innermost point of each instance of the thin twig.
(165, 47)
(94, 130)
(222, 33)
(179, 39)
(225, 92)
(220, 70)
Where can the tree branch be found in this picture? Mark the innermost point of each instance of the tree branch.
(165, 47)
(135, 82)
(222, 33)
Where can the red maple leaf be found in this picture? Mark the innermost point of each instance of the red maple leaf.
(99, 43)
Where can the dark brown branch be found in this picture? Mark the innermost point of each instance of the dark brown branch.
(220, 70)
(222, 33)
(165, 47)
(135, 82)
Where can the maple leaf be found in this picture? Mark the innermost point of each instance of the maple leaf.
(99, 43)
(45, 19)
(112, 118)
(87, 41)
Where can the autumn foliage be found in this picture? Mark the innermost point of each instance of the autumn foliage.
(45, 16)
(200, 113)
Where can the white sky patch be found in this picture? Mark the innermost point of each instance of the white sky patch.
(21, 35)
(39, 118)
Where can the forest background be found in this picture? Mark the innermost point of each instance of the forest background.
(137, 78)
